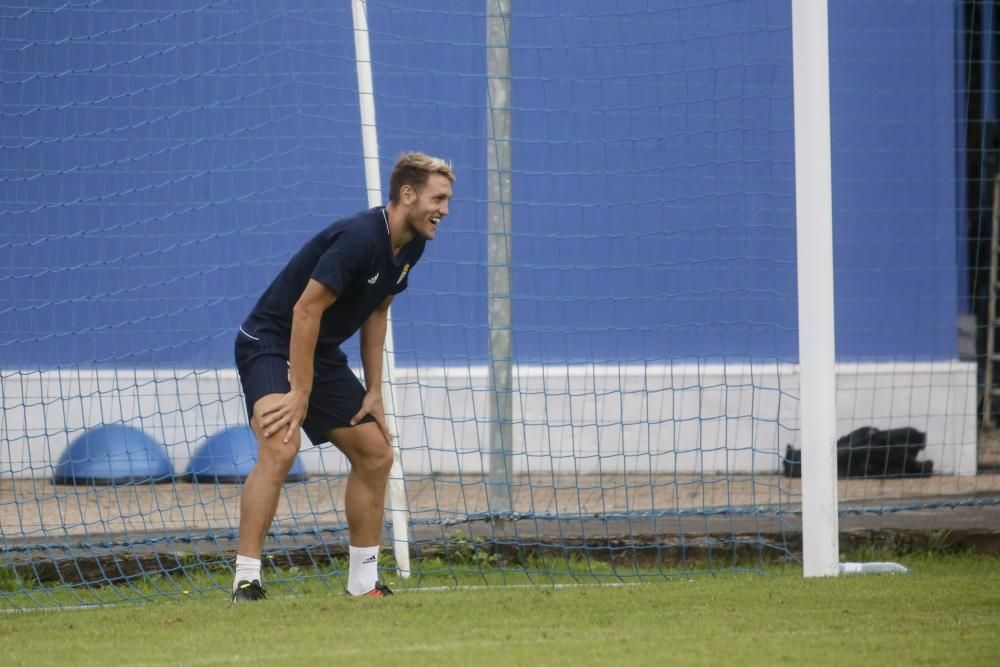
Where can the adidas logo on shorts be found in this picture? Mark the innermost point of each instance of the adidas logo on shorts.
(373, 279)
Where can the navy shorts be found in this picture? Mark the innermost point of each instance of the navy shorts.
(336, 394)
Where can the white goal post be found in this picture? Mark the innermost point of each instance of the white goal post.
(814, 243)
(396, 492)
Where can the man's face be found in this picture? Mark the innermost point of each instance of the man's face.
(427, 207)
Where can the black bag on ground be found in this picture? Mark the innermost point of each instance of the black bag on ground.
(869, 452)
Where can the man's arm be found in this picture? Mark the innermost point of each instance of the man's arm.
(372, 344)
(290, 411)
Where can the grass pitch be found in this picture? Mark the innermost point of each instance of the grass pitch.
(947, 612)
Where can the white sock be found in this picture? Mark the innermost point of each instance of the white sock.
(363, 571)
(247, 569)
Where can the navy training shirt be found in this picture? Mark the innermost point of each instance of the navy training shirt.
(353, 257)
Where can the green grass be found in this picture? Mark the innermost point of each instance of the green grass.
(464, 567)
(946, 613)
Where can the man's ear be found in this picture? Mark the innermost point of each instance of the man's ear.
(407, 195)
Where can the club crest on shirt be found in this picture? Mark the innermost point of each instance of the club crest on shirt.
(406, 269)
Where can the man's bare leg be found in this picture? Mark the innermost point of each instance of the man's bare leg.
(262, 487)
(371, 459)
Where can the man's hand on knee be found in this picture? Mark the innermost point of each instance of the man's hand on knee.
(372, 405)
(288, 413)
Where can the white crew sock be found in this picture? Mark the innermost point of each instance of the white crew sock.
(247, 569)
(363, 571)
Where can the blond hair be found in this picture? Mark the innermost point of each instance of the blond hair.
(414, 169)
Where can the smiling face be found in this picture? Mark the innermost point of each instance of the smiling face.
(426, 208)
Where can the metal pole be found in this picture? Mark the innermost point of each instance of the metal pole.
(991, 309)
(814, 240)
(988, 117)
(498, 130)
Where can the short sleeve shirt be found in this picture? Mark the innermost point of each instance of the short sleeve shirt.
(353, 257)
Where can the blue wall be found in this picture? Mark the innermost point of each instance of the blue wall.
(159, 166)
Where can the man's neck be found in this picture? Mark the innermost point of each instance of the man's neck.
(399, 233)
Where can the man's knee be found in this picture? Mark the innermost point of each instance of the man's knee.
(376, 460)
(372, 455)
(272, 451)
(365, 447)
(273, 454)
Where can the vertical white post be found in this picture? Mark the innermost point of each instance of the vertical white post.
(369, 140)
(366, 100)
(814, 231)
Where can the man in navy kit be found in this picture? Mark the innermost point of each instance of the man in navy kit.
(294, 373)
